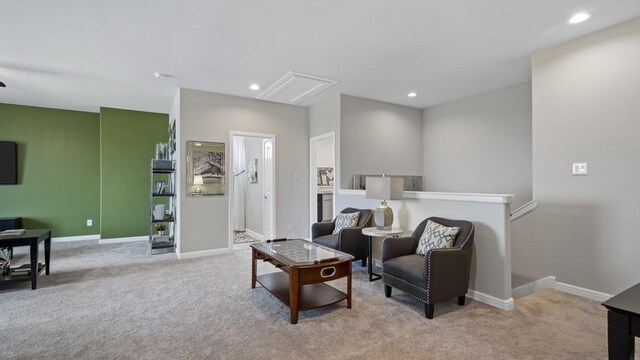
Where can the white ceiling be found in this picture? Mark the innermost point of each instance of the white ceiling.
(81, 54)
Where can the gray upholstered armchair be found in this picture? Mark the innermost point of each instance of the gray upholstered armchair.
(349, 240)
(439, 275)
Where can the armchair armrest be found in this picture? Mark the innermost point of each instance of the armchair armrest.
(398, 246)
(321, 229)
(447, 273)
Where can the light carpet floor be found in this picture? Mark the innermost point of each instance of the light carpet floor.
(116, 302)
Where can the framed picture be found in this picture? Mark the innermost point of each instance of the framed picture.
(253, 171)
(205, 168)
(325, 176)
(172, 137)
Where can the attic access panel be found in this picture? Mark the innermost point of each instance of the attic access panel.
(294, 88)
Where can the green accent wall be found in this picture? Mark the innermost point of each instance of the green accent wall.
(127, 142)
(58, 169)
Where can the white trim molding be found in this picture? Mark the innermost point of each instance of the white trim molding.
(123, 240)
(254, 234)
(583, 292)
(491, 300)
(426, 195)
(197, 254)
(524, 209)
(76, 238)
(550, 282)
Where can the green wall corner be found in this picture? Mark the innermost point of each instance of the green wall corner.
(127, 145)
(58, 169)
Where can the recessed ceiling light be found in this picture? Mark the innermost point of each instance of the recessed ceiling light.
(159, 75)
(579, 17)
(412, 94)
(254, 87)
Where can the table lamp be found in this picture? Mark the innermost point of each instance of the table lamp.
(384, 188)
(197, 180)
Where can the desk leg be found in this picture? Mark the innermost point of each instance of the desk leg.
(349, 287)
(34, 263)
(621, 341)
(253, 268)
(294, 293)
(372, 275)
(47, 252)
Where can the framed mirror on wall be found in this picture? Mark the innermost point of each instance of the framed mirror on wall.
(205, 168)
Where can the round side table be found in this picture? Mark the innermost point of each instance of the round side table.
(372, 232)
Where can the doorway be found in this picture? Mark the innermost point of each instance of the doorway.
(322, 177)
(251, 188)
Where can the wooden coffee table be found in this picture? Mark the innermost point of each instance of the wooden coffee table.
(305, 268)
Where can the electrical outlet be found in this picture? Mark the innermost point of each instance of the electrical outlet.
(579, 168)
(290, 227)
(89, 222)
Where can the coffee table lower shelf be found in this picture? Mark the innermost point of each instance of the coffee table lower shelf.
(312, 296)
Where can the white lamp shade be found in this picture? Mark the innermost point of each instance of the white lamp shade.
(197, 180)
(384, 188)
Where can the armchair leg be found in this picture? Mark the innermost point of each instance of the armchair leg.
(363, 262)
(461, 300)
(428, 311)
(387, 290)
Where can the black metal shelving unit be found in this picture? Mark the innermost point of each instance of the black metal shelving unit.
(162, 191)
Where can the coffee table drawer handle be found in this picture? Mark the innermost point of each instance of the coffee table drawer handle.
(328, 272)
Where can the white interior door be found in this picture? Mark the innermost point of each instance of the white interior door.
(268, 223)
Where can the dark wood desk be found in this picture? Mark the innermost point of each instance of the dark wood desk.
(624, 323)
(31, 238)
(308, 266)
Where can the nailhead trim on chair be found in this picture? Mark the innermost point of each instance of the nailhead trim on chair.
(458, 249)
(429, 270)
(410, 284)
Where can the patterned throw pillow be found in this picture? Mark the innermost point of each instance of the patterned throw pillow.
(436, 236)
(346, 220)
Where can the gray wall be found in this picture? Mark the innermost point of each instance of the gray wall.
(481, 144)
(174, 114)
(586, 108)
(324, 117)
(378, 137)
(253, 196)
(205, 116)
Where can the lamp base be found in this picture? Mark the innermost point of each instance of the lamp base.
(383, 217)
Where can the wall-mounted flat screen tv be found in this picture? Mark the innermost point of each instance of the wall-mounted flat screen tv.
(8, 162)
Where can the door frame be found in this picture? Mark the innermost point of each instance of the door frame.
(313, 185)
(272, 137)
(270, 188)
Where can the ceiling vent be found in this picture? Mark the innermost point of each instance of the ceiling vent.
(295, 88)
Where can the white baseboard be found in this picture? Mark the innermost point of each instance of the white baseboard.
(254, 234)
(197, 254)
(580, 291)
(124, 240)
(548, 282)
(491, 300)
(76, 238)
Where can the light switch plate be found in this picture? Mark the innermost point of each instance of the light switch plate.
(580, 168)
